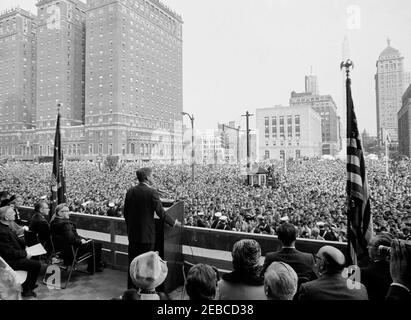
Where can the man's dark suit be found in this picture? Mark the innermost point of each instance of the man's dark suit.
(12, 250)
(376, 278)
(302, 263)
(40, 226)
(139, 206)
(330, 287)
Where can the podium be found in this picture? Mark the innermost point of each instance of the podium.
(169, 245)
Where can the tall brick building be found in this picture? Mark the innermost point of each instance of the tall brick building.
(133, 78)
(17, 76)
(115, 67)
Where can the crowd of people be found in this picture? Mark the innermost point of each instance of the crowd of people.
(311, 194)
(287, 274)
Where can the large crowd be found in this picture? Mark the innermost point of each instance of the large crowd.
(311, 194)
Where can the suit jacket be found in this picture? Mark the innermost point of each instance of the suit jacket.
(11, 247)
(139, 206)
(330, 287)
(64, 234)
(377, 279)
(398, 293)
(241, 286)
(302, 263)
(40, 225)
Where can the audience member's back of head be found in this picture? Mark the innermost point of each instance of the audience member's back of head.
(246, 256)
(201, 282)
(287, 233)
(280, 281)
(333, 259)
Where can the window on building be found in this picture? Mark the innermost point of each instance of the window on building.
(282, 154)
(274, 127)
(297, 126)
(266, 127)
(282, 127)
(297, 154)
(267, 154)
(289, 126)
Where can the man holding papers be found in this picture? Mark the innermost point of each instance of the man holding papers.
(13, 251)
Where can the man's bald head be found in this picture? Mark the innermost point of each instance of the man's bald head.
(334, 259)
(6, 214)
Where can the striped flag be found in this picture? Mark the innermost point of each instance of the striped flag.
(58, 181)
(359, 227)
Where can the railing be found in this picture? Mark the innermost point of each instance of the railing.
(203, 245)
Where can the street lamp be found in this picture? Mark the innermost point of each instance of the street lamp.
(192, 142)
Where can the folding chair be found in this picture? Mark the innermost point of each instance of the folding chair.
(73, 266)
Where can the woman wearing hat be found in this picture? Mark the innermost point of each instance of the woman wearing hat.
(147, 272)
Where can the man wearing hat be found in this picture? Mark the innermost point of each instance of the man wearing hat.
(216, 219)
(331, 285)
(147, 272)
(141, 203)
(223, 223)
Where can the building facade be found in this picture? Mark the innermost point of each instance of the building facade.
(404, 124)
(389, 88)
(291, 132)
(17, 69)
(60, 61)
(115, 68)
(327, 109)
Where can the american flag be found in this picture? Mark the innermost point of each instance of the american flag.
(359, 230)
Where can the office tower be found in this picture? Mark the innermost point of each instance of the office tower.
(389, 88)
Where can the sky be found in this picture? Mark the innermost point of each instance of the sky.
(240, 55)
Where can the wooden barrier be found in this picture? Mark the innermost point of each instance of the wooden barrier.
(198, 245)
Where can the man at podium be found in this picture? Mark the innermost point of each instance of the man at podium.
(141, 204)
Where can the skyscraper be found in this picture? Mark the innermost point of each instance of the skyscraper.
(311, 84)
(60, 61)
(133, 78)
(17, 70)
(389, 88)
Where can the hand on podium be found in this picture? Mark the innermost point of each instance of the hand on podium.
(177, 223)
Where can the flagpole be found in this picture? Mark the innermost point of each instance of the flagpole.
(350, 254)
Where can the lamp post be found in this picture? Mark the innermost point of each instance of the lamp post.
(192, 142)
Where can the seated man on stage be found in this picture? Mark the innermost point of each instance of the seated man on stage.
(64, 233)
(39, 224)
(13, 251)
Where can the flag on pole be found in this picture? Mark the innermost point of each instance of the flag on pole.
(359, 227)
(58, 181)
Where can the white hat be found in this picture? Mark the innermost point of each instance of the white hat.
(320, 224)
(285, 218)
(217, 214)
(111, 204)
(43, 197)
(223, 218)
(148, 270)
(200, 213)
